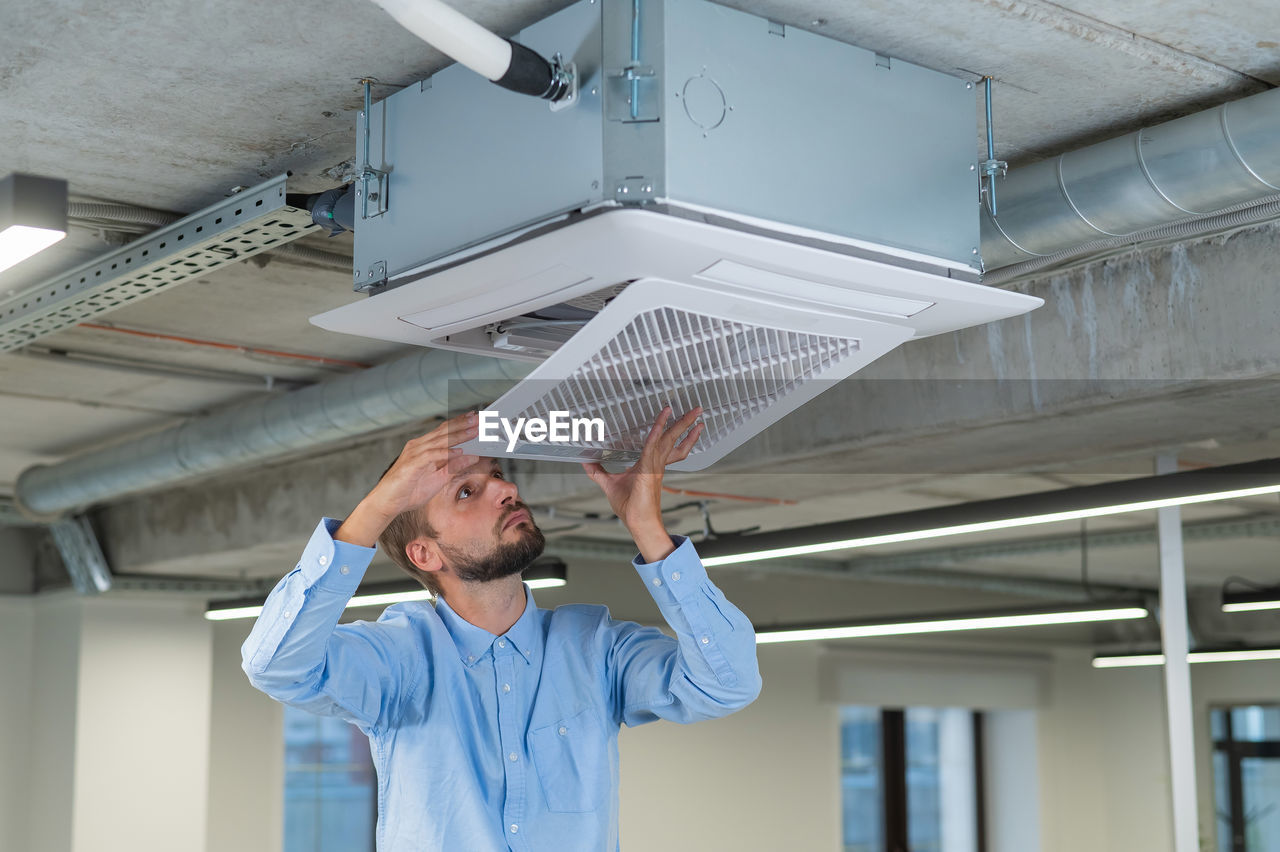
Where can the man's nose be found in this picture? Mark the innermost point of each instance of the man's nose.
(507, 492)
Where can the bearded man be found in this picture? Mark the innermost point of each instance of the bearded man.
(494, 724)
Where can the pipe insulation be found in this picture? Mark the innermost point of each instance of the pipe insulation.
(426, 384)
(453, 34)
(1196, 165)
(120, 213)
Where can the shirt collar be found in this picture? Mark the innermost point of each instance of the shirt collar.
(472, 641)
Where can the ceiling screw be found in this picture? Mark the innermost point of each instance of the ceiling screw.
(968, 85)
(972, 167)
(975, 251)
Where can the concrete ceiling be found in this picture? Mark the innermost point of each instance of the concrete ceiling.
(169, 105)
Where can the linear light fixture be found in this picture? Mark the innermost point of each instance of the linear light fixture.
(1207, 485)
(1237, 655)
(33, 216)
(949, 622)
(1251, 601)
(544, 574)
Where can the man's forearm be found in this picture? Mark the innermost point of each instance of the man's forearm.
(652, 539)
(363, 526)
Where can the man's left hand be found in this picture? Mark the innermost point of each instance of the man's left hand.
(636, 494)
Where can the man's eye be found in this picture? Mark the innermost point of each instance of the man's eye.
(464, 492)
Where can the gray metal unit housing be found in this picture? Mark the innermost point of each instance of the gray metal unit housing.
(701, 108)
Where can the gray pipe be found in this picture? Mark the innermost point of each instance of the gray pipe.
(1192, 166)
(424, 385)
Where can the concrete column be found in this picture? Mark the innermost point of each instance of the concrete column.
(113, 743)
(17, 639)
(142, 726)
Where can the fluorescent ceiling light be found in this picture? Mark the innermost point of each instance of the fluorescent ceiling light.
(1236, 656)
(1068, 504)
(33, 216)
(1251, 601)
(549, 573)
(945, 623)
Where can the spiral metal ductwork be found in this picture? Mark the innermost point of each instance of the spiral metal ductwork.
(424, 385)
(1225, 157)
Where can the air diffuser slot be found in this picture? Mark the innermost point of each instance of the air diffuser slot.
(731, 272)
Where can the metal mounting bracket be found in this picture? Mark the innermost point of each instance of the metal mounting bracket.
(633, 190)
(374, 276)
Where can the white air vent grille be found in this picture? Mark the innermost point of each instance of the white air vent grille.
(744, 360)
(668, 356)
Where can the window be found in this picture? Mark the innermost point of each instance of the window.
(330, 792)
(1246, 774)
(911, 779)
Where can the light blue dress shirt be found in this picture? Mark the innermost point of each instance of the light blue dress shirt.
(486, 742)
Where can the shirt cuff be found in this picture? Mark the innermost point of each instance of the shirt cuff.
(337, 566)
(678, 576)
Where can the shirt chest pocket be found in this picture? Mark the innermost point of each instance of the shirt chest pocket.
(572, 760)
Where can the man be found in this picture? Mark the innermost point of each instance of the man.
(494, 724)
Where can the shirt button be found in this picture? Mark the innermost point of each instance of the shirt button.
(471, 658)
(657, 581)
(563, 730)
(345, 570)
(324, 560)
(506, 687)
(513, 757)
(288, 614)
(706, 640)
(675, 575)
(501, 644)
(514, 828)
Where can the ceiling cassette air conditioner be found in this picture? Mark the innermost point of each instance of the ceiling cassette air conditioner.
(733, 214)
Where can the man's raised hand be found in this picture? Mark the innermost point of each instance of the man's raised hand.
(418, 474)
(635, 495)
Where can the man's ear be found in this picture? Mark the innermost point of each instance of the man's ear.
(424, 553)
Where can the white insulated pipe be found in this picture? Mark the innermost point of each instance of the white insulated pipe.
(453, 34)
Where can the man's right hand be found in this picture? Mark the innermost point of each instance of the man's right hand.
(421, 471)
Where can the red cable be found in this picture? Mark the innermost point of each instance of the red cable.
(774, 500)
(193, 341)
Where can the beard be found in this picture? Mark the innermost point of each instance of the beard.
(506, 557)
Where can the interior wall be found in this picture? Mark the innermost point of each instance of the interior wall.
(55, 664)
(17, 561)
(142, 726)
(1012, 761)
(17, 645)
(764, 779)
(246, 754)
